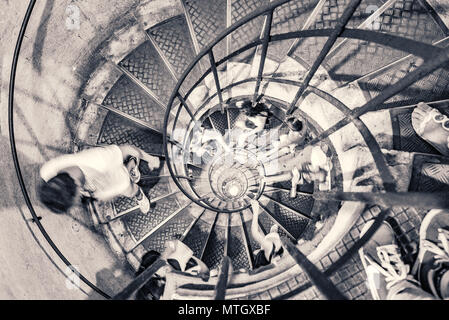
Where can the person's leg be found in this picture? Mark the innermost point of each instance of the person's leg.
(432, 265)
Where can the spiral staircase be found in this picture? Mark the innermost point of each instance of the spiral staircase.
(353, 69)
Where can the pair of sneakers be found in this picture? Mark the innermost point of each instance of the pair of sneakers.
(384, 264)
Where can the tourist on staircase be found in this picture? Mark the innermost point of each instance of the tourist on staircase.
(101, 173)
(270, 244)
(179, 257)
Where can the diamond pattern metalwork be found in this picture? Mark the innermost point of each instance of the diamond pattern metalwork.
(140, 224)
(117, 130)
(130, 99)
(406, 18)
(213, 254)
(408, 139)
(237, 250)
(146, 64)
(208, 20)
(197, 237)
(289, 17)
(249, 31)
(220, 121)
(289, 220)
(171, 231)
(173, 39)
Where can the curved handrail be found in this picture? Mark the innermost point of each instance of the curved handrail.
(14, 151)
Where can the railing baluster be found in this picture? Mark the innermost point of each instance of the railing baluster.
(344, 19)
(140, 280)
(223, 278)
(217, 80)
(263, 54)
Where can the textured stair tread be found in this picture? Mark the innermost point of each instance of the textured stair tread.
(432, 87)
(292, 222)
(237, 251)
(213, 254)
(208, 20)
(430, 174)
(248, 32)
(267, 222)
(117, 130)
(405, 137)
(139, 224)
(174, 40)
(405, 18)
(171, 231)
(288, 17)
(197, 237)
(146, 64)
(127, 97)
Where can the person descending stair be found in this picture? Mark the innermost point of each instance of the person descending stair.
(179, 257)
(270, 244)
(311, 164)
(256, 119)
(101, 173)
(290, 136)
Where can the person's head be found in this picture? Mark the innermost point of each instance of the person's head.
(294, 124)
(59, 193)
(132, 164)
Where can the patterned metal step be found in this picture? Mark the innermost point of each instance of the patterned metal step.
(171, 231)
(289, 17)
(292, 222)
(248, 32)
(404, 136)
(146, 64)
(237, 249)
(139, 224)
(430, 174)
(208, 20)
(173, 39)
(405, 18)
(116, 130)
(214, 251)
(130, 99)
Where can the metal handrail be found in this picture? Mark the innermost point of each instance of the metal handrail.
(14, 150)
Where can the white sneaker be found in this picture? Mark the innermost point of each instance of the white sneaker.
(144, 203)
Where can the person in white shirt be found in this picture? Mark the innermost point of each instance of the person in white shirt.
(102, 173)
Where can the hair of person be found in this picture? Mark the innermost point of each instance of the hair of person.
(58, 194)
(147, 260)
(294, 124)
(152, 290)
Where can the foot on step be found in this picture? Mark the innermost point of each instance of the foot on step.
(432, 126)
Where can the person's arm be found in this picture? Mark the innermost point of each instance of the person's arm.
(128, 150)
(52, 167)
(255, 232)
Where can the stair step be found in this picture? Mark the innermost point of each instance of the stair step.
(125, 96)
(208, 20)
(146, 64)
(173, 39)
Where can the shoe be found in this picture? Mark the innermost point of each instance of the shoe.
(144, 203)
(382, 260)
(432, 264)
